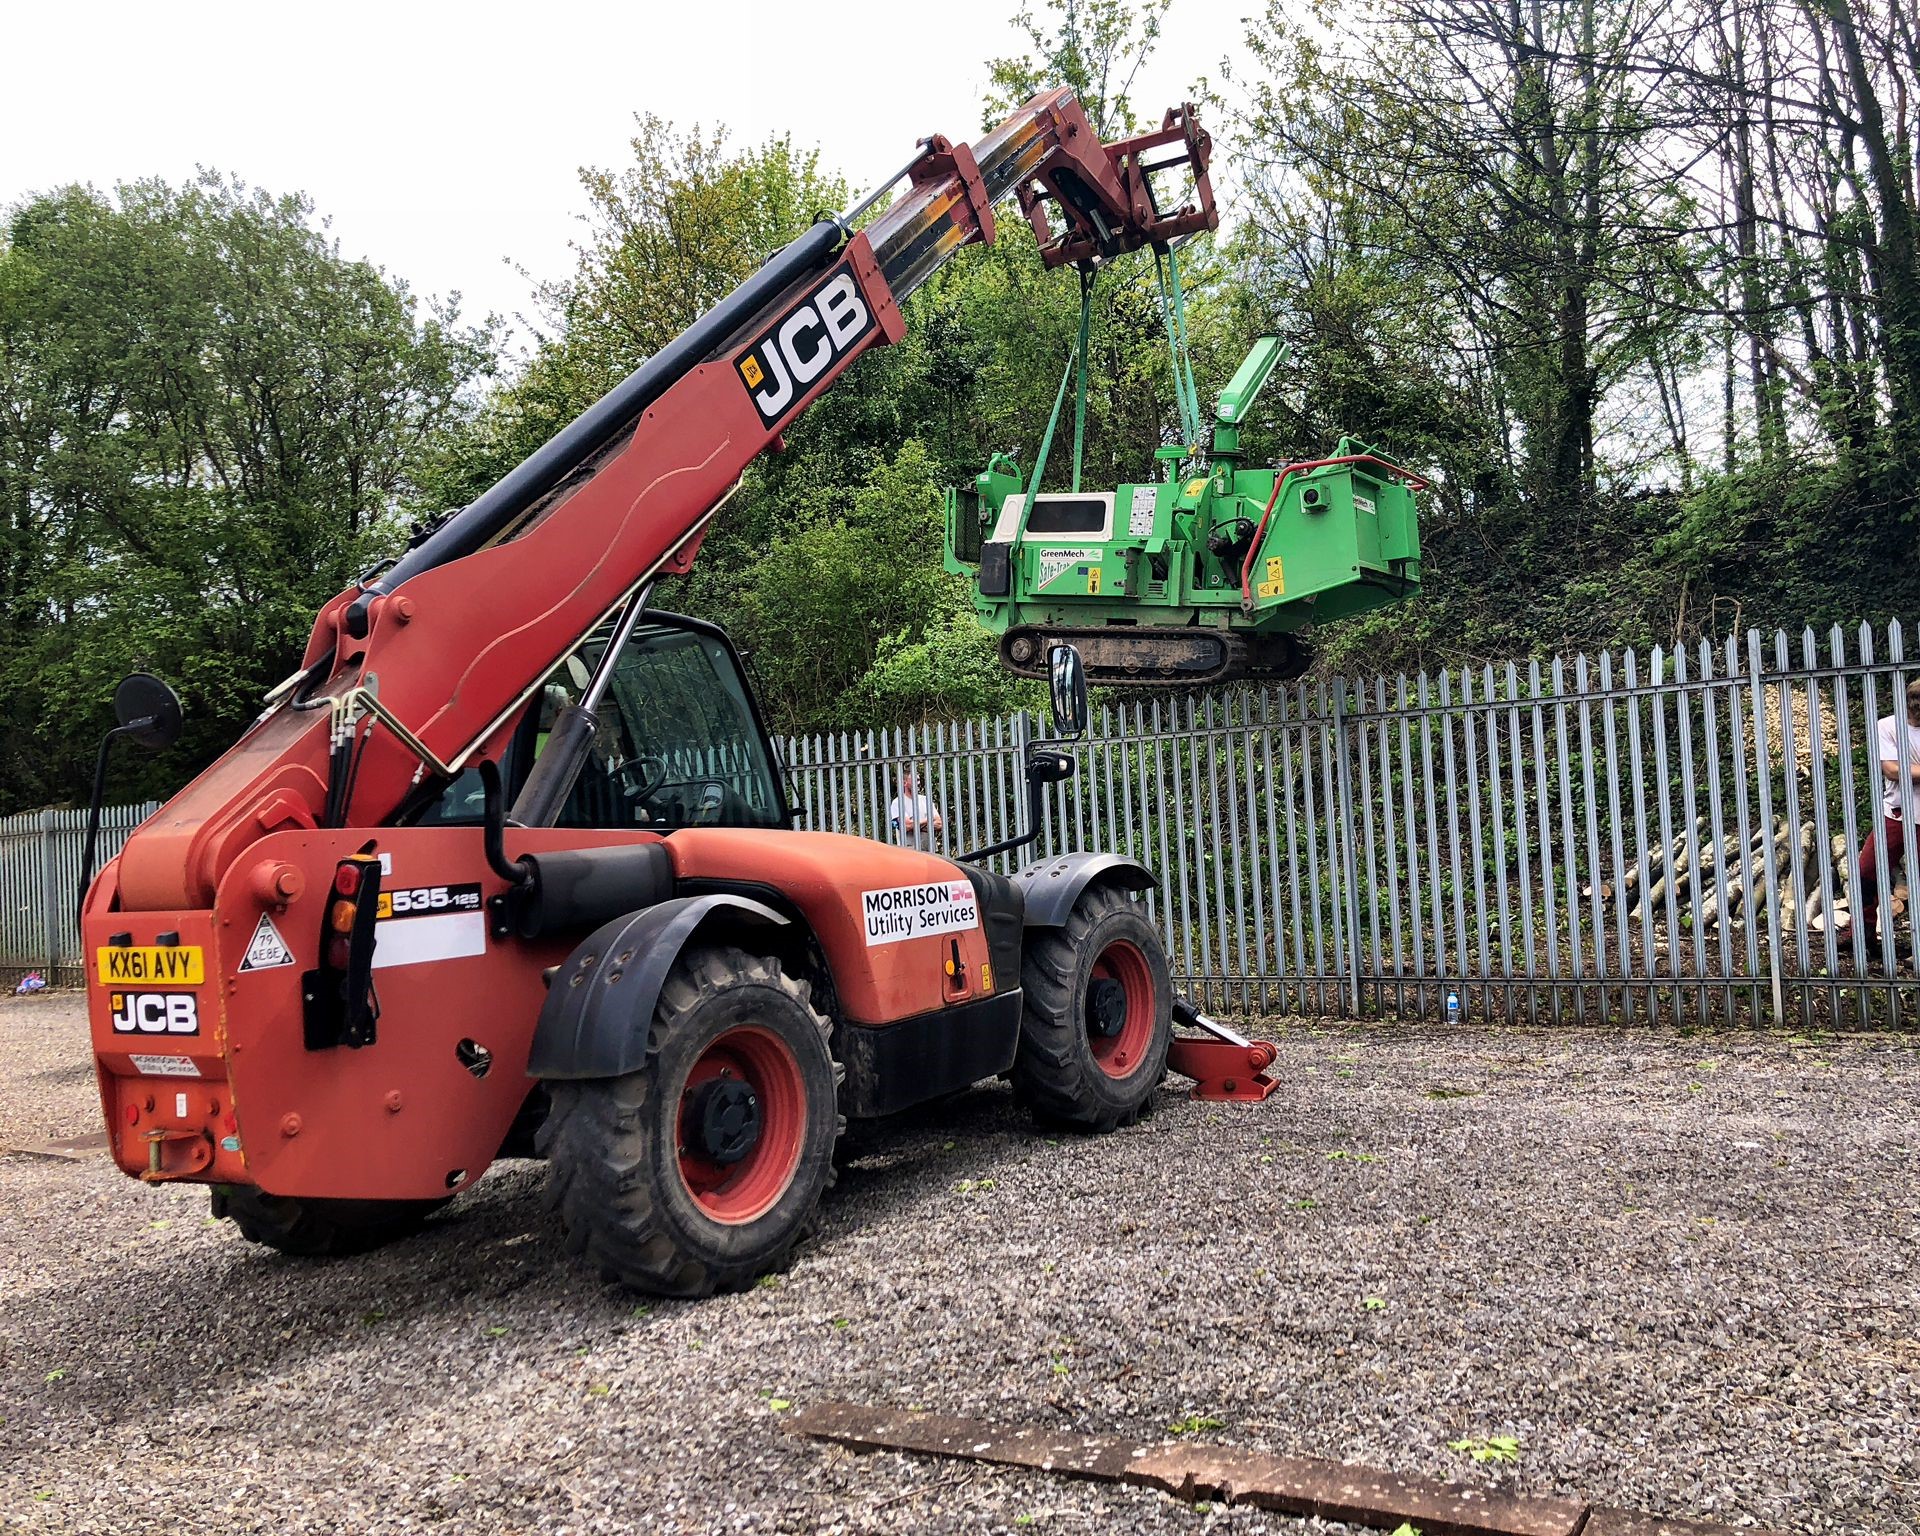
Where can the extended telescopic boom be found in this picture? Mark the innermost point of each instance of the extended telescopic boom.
(420, 670)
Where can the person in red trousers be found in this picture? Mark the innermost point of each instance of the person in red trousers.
(1897, 750)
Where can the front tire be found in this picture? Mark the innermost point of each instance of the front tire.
(319, 1229)
(703, 1169)
(1098, 1015)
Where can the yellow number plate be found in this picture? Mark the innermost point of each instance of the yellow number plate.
(165, 965)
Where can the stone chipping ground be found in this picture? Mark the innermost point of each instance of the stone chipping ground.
(1679, 1271)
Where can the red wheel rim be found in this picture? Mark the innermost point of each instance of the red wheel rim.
(745, 1190)
(1120, 1055)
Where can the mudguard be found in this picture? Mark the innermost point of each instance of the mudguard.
(1052, 886)
(598, 1015)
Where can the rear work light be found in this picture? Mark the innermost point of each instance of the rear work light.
(341, 1007)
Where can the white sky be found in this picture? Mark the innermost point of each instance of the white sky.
(442, 139)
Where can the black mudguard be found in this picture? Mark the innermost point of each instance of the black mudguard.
(1003, 916)
(1052, 886)
(599, 1011)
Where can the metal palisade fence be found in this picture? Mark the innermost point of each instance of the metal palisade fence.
(1675, 835)
(40, 855)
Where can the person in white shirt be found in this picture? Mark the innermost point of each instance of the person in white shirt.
(1897, 750)
(914, 817)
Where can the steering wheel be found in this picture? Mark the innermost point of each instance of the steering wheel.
(641, 776)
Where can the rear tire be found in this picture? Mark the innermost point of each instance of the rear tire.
(703, 1169)
(319, 1229)
(1098, 1016)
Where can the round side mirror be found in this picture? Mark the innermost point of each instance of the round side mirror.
(148, 710)
(1068, 678)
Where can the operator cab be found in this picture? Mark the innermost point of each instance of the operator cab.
(679, 743)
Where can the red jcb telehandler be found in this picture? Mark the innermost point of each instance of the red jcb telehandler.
(507, 867)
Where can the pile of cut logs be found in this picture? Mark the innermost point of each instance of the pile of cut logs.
(1792, 862)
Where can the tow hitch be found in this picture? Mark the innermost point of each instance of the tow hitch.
(194, 1152)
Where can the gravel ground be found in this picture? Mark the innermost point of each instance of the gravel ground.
(1679, 1271)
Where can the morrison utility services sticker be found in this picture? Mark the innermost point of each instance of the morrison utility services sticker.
(164, 1066)
(915, 911)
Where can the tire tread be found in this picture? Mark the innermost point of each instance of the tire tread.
(1051, 1073)
(600, 1181)
(319, 1229)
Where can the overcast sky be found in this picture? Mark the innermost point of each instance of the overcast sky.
(442, 140)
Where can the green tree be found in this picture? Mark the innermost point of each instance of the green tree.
(664, 238)
(209, 424)
(1095, 46)
(846, 572)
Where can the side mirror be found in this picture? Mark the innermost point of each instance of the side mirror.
(148, 711)
(1068, 678)
(1044, 764)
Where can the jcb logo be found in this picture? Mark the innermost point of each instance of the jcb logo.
(155, 1013)
(798, 348)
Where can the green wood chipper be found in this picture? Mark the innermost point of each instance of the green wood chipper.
(1212, 572)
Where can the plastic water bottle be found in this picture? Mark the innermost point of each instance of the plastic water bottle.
(1453, 1006)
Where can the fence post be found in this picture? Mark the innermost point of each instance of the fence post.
(1763, 772)
(1348, 896)
(1016, 813)
(49, 915)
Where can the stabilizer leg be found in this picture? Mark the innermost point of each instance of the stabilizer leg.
(1227, 1067)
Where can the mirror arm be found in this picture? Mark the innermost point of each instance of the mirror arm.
(1035, 786)
(93, 820)
(158, 728)
(1011, 843)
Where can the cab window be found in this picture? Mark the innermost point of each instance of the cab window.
(676, 745)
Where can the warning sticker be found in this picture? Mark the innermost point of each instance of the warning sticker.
(266, 949)
(1364, 504)
(916, 911)
(164, 1066)
(1055, 563)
